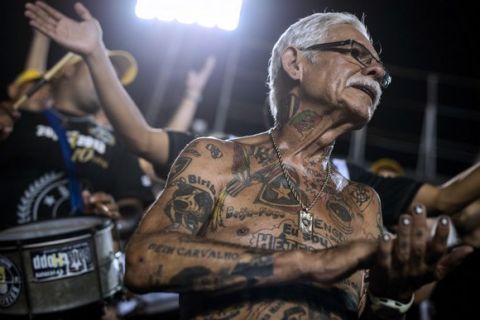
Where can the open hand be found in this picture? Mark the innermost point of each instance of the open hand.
(81, 37)
(413, 258)
(196, 80)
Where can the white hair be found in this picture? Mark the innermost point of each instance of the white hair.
(303, 33)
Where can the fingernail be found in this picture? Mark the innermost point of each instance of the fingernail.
(418, 209)
(406, 221)
(444, 221)
(386, 237)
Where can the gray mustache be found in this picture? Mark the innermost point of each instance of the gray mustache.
(370, 83)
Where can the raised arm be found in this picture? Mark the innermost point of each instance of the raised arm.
(38, 53)
(35, 66)
(169, 251)
(452, 196)
(195, 83)
(85, 38)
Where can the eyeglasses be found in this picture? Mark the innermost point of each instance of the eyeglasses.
(357, 51)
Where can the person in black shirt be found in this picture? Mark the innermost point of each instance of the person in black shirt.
(61, 162)
(36, 179)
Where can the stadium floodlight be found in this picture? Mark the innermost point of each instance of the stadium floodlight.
(223, 14)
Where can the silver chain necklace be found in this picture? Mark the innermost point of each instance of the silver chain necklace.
(305, 218)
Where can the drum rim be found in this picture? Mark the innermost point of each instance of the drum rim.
(102, 223)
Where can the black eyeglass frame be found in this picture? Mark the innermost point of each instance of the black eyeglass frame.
(334, 46)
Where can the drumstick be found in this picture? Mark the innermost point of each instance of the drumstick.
(45, 78)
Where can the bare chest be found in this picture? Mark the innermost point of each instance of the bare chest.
(268, 217)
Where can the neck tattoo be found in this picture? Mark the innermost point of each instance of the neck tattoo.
(305, 217)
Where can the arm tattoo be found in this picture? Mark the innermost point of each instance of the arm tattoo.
(203, 278)
(262, 155)
(202, 253)
(214, 151)
(361, 195)
(340, 215)
(189, 207)
(191, 149)
(178, 166)
(240, 171)
(261, 266)
(297, 312)
(188, 277)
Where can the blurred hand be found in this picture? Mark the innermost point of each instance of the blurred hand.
(81, 37)
(196, 81)
(8, 116)
(467, 224)
(413, 258)
(101, 204)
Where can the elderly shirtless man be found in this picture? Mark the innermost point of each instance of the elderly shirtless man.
(263, 227)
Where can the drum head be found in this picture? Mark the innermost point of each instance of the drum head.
(52, 229)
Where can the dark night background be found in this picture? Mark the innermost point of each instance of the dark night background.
(417, 38)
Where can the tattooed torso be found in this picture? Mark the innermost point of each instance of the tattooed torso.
(254, 207)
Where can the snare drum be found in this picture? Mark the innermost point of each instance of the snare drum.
(57, 265)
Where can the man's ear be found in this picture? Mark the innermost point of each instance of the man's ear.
(292, 64)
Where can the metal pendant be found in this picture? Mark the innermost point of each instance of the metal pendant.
(306, 221)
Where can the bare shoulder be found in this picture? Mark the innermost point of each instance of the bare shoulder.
(253, 140)
(365, 204)
(207, 157)
(213, 148)
(224, 160)
(193, 185)
(364, 197)
(208, 147)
